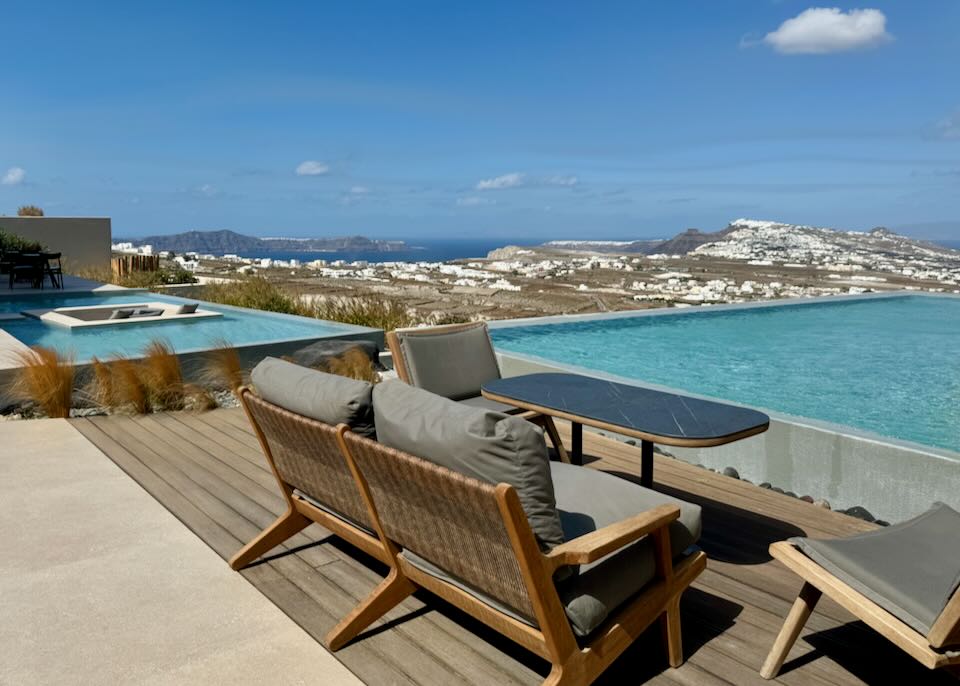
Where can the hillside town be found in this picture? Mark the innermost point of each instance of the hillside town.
(748, 260)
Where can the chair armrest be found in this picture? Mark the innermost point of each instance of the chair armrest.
(600, 543)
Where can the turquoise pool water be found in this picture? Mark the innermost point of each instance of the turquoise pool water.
(886, 365)
(237, 326)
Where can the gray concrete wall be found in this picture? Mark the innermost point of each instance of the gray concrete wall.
(84, 241)
(892, 479)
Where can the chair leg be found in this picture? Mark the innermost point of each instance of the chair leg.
(670, 625)
(554, 435)
(391, 592)
(558, 676)
(799, 614)
(288, 524)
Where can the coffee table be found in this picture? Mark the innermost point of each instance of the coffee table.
(650, 415)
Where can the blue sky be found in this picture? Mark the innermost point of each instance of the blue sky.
(501, 120)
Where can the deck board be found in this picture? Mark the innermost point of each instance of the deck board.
(208, 471)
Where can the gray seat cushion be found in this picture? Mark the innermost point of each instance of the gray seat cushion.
(489, 446)
(120, 314)
(589, 500)
(910, 569)
(453, 364)
(325, 397)
(487, 404)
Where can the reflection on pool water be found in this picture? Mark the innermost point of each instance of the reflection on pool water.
(237, 326)
(886, 365)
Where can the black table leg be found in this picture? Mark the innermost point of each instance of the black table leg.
(646, 464)
(576, 434)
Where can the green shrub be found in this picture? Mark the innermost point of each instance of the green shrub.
(449, 318)
(261, 294)
(256, 293)
(11, 241)
(377, 313)
(164, 276)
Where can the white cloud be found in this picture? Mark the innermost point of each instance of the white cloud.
(14, 176)
(354, 194)
(207, 190)
(473, 201)
(312, 168)
(822, 30)
(512, 180)
(949, 126)
(568, 181)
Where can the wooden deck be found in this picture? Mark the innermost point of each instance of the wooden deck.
(207, 470)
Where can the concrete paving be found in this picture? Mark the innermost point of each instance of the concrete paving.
(99, 584)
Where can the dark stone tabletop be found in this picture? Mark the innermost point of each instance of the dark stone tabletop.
(663, 417)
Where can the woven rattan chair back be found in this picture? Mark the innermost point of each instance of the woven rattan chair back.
(307, 456)
(450, 520)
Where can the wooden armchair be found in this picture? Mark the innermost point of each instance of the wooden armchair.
(902, 581)
(305, 457)
(470, 543)
(453, 361)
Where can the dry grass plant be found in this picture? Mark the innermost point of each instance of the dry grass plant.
(161, 375)
(45, 378)
(100, 389)
(131, 394)
(354, 364)
(222, 369)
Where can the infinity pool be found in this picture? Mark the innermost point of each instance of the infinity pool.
(885, 365)
(237, 326)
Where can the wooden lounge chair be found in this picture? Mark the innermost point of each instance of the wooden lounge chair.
(901, 581)
(305, 457)
(453, 361)
(471, 543)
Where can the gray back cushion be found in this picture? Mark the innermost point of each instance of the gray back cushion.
(325, 397)
(189, 308)
(453, 364)
(910, 569)
(487, 404)
(485, 445)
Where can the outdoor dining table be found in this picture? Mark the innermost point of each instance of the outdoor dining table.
(650, 415)
(33, 266)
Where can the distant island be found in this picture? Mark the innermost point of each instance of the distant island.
(226, 242)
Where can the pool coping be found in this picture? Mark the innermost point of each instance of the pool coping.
(706, 308)
(800, 420)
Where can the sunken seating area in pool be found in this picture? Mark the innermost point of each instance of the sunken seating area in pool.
(114, 315)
